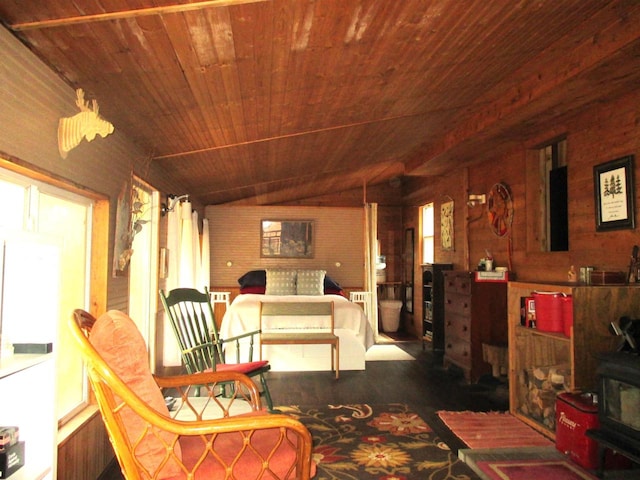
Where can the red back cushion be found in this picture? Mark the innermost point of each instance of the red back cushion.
(117, 339)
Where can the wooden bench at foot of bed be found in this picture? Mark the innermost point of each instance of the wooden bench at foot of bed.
(308, 326)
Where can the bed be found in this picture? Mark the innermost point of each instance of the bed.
(351, 325)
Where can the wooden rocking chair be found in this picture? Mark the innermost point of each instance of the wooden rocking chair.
(192, 319)
(150, 442)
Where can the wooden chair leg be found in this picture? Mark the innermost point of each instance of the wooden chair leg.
(267, 394)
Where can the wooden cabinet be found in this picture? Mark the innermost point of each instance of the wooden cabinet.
(433, 305)
(475, 314)
(535, 355)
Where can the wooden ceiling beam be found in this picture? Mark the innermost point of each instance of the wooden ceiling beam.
(139, 12)
(290, 135)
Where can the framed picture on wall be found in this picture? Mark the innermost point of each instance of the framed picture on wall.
(614, 194)
(286, 238)
(446, 225)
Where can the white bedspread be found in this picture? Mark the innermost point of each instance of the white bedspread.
(242, 314)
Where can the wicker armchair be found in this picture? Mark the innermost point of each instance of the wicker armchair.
(202, 436)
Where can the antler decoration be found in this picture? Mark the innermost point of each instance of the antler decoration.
(86, 124)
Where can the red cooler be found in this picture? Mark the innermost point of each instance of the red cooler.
(575, 414)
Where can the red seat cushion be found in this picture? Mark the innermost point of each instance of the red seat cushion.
(250, 464)
(241, 367)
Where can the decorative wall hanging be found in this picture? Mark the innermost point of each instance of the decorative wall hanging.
(86, 124)
(614, 192)
(447, 225)
(129, 221)
(500, 209)
(286, 238)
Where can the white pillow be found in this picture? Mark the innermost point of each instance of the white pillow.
(310, 282)
(281, 282)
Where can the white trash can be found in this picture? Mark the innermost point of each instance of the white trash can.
(390, 313)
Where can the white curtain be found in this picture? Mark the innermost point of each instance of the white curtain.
(370, 252)
(188, 264)
(204, 270)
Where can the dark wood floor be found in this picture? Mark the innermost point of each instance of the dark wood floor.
(422, 384)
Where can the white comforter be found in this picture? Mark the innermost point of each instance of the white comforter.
(242, 314)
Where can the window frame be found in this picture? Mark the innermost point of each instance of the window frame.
(97, 246)
(427, 232)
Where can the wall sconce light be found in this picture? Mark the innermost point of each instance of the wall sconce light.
(338, 264)
(229, 263)
(172, 201)
(476, 200)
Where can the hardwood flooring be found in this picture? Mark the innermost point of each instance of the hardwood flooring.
(423, 384)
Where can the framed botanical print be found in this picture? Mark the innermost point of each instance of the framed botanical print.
(614, 194)
(446, 225)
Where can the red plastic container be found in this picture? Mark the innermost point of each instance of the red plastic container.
(549, 311)
(567, 314)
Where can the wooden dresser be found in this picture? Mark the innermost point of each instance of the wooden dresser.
(475, 313)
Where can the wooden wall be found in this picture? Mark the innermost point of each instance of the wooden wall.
(597, 135)
(235, 237)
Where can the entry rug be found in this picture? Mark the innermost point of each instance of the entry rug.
(377, 442)
(492, 430)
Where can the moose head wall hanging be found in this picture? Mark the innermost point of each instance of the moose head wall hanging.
(86, 124)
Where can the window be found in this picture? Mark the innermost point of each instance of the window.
(553, 177)
(41, 208)
(428, 234)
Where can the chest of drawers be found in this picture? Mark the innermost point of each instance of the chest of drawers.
(475, 313)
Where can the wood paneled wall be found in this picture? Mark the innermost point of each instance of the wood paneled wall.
(597, 135)
(235, 237)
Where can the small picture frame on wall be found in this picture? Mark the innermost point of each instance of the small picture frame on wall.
(447, 226)
(614, 194)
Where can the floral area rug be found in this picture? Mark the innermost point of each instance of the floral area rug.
(377, 442)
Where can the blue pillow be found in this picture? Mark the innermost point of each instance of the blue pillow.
(331, 284)
(253, 278)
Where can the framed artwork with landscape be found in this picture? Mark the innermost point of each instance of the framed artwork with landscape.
(614, 194)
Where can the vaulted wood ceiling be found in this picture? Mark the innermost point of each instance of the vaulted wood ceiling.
(266, 102)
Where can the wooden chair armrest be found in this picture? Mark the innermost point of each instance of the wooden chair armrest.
(201, 378)
(211, 386)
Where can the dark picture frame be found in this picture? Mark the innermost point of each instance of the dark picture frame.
(615, 194)
(286, 238)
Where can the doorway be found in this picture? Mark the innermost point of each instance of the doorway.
(143, 267)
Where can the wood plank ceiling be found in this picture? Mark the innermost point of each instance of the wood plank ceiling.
(269, 102)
